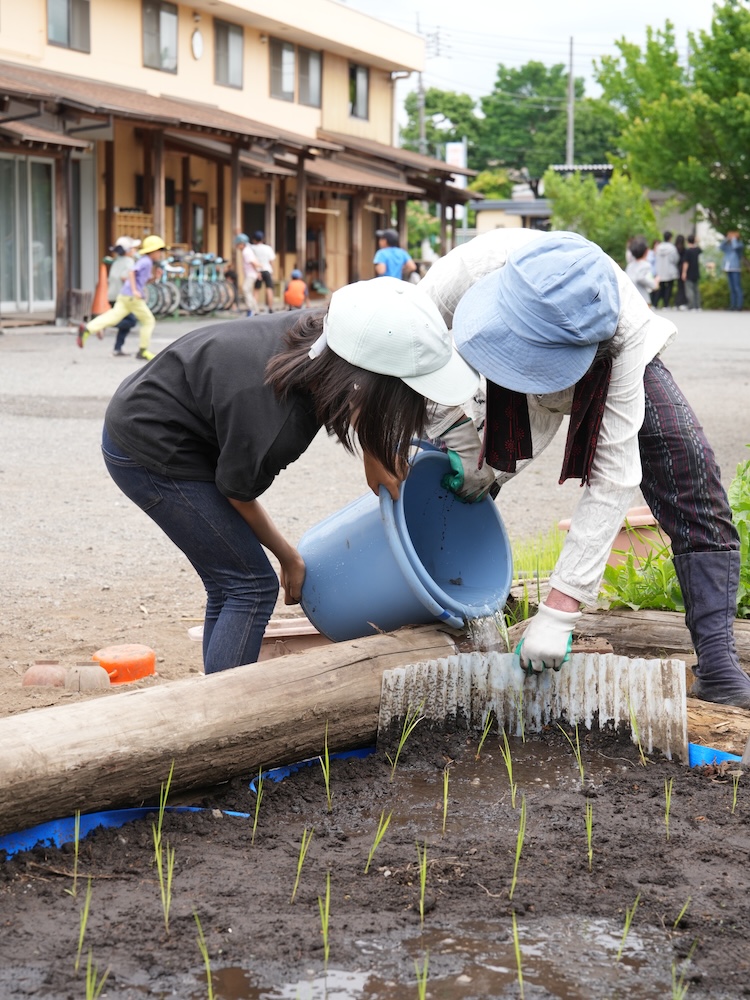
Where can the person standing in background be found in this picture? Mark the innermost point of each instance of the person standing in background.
(732, 247)
(667, 260)
(391, 260)
(265, 256)
(691, 273)
(639, 269)
(250, 272)
(681, 297)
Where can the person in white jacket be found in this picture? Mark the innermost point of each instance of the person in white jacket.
(557, 328)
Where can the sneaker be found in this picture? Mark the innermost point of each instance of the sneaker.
(83, 334)
(144, 355)
(120, 354)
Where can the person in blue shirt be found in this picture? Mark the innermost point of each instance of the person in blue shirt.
(390, 259)
(732, 247)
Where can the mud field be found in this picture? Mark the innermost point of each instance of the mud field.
(691, 892)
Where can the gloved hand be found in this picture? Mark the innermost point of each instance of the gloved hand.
(547, 640)
(466, 480)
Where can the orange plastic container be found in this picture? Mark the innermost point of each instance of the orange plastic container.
(127, 662)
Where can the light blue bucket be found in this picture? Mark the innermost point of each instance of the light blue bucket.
(378, 564)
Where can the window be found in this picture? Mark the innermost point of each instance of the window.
(282, 70)
(68, 24)
(310, 76)
(359, 91)
(229, 54)
(160, 35)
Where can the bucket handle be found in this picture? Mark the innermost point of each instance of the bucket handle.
(407, 570)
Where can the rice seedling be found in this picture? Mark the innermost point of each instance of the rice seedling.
(508, 761)
(258, 800)
(679, 986)
(735, 788)
(83, 921)
(203, 948)
(325, 912)
(485, 732)
(411, 720)
(517, 949)
(445, 795)
(422, 855)
(422, 977)
(519, 845)
(94, 985)
(306, 838)
(634, 728)
(73, 891)
(536, 557)
(682, 913)
(325, 764)
(163, 796)
(379, 834)
(667, 803)
(164, 872)
(629, 914)
(590, 831)
(576, 748)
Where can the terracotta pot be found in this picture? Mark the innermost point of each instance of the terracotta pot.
(640, 534)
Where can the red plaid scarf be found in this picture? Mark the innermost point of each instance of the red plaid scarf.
(507, 430)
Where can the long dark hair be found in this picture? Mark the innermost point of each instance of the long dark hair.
(387, 412)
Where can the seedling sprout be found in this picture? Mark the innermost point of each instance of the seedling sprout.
(325, 764)
(258, 799)
(84, 919)
(667, 802)
(422, 977)
(508, 761)
(519, 845)
(325, 912)
(379, 834)
(590, 830)
(94, 987)
(576, 748)
(203, 948)
(735, 787)
(682, 913)
(517, 949)
(411, 720)
(485, 732)
(634, 728)
(73, 891)
(306, 838)
(629, 914)
(445, 795)
(422, 855)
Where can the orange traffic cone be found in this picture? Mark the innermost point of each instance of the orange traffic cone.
(101, 302)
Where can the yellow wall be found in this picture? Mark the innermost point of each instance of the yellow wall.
(336, 118)
(489, 219)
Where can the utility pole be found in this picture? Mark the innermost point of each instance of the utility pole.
(570, 144)
(420, 108)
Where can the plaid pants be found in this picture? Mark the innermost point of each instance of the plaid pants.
(681, 479)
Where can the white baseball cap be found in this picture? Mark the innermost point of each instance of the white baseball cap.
(389, 326)
(127, 243)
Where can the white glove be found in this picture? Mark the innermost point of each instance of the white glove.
(468, 482)
(546, 642)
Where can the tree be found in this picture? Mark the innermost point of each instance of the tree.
(492, 184)
(608, 217)
(690, 130)
(449, 117)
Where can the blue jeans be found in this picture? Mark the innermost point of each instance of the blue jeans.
(736, 297)
(241, 586)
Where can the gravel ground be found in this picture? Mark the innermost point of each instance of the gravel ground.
(83, 568)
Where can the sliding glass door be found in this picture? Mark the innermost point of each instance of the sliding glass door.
(27, 234)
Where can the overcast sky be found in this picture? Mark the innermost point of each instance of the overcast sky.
(467, 41)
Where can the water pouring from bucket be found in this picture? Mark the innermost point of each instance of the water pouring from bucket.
(379, 564)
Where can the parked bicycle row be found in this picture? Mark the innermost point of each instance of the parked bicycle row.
(195, 284)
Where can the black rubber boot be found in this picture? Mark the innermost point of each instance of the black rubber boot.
(709, 582)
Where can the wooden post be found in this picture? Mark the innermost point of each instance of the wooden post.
(355, 253)
(283, 247)
(220, 246)
(235, 220)
(270, 216)
(301, 233)
(62, 247)
(402, 225)
(117, 750)
(109, 196)
(186, 235)
(444, 244)
(158, 181)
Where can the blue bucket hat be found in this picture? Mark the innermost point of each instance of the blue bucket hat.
(534, 325)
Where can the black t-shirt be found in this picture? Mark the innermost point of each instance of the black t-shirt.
(200, 410)
(693, 272)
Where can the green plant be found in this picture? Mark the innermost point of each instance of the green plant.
(643, 582)
(325, 763)
(629, 914)
(164, 873)
(536, 557)
(325, 911)
(379, 834)
(739, 499)
(667, 802)
(508, 761)
(519, 845)
(258, 800)
(590, 830)
(446, 775)
(422, 855)
(576, 748)
(203, 948)
(306, 838)
(73, 891)
(422, 977)
(411, 721)
(517, 949)
(94, 986)
(636, 734)
(682, 913)
(485, 732)
(679, 987)
(735, 787)
(83, 921)
(163, 796)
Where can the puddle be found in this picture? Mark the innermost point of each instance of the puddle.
(559, 960)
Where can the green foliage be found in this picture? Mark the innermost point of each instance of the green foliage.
(689, 128)
(494, 184)
(608, 217)
(536, 557)
(448, 117)
(422, 225)
(715, 290)
(650, 582)
(739, 499)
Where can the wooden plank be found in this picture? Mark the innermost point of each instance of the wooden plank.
(117, 751)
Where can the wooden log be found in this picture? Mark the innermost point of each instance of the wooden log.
(117, 751)
(718, 726)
